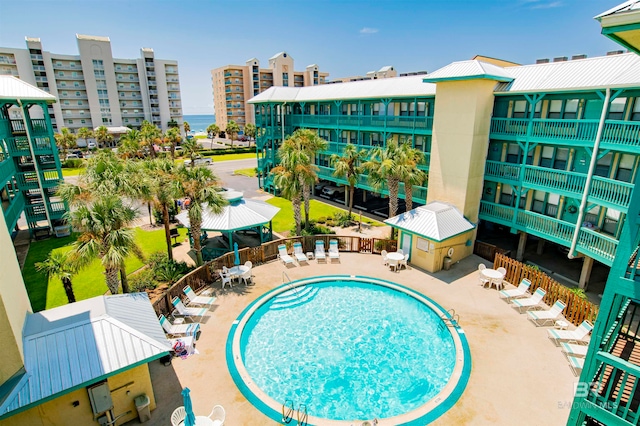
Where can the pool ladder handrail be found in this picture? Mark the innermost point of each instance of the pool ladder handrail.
(302, 420)
(451, 318)
(295, 289)
(288, 415)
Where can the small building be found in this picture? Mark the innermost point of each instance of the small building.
(433, 232)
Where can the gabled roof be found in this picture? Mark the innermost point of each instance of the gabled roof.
(72, 346)
(365, 89)
(278, 54)
(469, 70)
(436, 221)
(627, 6)
(14, 88)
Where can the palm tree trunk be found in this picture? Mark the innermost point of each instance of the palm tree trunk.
(394, 185)
(68, 289)
(150, 215)
(306, 192)
(408, 195)
(195, 234)
(113, 281)
(124, 280)
(351, 192)
(173, 151)
(297, 216)
(167, 231)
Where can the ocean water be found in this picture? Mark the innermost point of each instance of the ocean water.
(199, 123)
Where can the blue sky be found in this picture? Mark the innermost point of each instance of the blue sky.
(344, 38)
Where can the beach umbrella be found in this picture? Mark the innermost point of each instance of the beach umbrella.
(235, 251)
(190, 419)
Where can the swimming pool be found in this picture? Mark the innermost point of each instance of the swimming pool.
(348, 348)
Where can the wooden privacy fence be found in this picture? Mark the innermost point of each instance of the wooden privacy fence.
(209, 272)
(577, 310)
(488, 251)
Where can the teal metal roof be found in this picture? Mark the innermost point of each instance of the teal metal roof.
(469, 70)
(436, 221)
(72, 346)
(14, 88)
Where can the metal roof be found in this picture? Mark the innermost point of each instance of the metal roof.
(621, 8)
(14, 88)
(580, 74)
(383, 88)
(466, 70)
(240, 214)
(83, 342)
(436, 221)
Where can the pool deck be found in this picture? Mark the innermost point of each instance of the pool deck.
(518, 375)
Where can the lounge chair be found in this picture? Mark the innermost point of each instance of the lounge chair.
(576, 364)
(334, 253)
(319, 253)
(521, 291)
(571, 336)
(541, 318)
(197, 300)
(574, 350)
(178, 330)
(217, 415)
(299, 254)
(183, 311)
(530, 302)
(284, 256)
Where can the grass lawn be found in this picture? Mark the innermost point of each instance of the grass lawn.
(87, 283)
(73, 171)
(250, 172)
(225, 157)
(283, 221)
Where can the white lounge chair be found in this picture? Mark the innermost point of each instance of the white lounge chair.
(530, 302)
(299, 254)
(334, 253)
(576, 364)
(197, 300)
(541, 318)
(284, 256)
(571, 336)
(521, 291)
(183, 311)
(178, 330)
(218, 415)
(574, 350)
(319, 253)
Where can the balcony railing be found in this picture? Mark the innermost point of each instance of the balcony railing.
(502, 170)
(12, 214)
(7, 169)
(560, 181)
(357, 121)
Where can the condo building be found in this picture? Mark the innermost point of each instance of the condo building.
(233, 85)
(95, 89)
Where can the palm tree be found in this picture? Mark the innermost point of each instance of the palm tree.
(409, 171)
(102, 136)
(161, 189)
(172, 138)
(65, 140)
(200, 186)
(84, 133)
(213, 129)
(191, 148)
(105, 234)
(349, 165)
(250, 131)
(187, 128)
(57, 265)
(149, 136)
(232, 129)
(290, 177)
(130, 144)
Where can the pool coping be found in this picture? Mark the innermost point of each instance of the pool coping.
(425, 413)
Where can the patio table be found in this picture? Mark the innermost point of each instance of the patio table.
(395, 256)
(493, 275)
(237, 270)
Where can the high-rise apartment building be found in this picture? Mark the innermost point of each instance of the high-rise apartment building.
(94, 88)
(233, 84)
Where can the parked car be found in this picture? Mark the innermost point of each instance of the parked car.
(321, 184)
(333, 191)
(91, 145)
(178, 148)
(243, 138)
(78, 153)
(206, 161)
(72, 157)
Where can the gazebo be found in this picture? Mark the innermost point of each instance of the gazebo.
(241, 215)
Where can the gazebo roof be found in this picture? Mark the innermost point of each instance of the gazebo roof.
(436, 221)
(240, 213)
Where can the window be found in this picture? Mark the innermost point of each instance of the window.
(63, 84)
(65, 93)
(571, 109)
(555, 109)
(81, 112)
(611, 222)
(616, 110)
(132, 86)
(68, 112)
(420, 143)
(79, 102)
(560, 162)
(129, 67)
(69, 121)
(72, 64)
(506, 196)
(546, 157)
(83, 121)
(552, 205)
(603, 166)
(58, 64)
(122, 95)
(126, 120)
(98, 73)
(77, 93)
(537, 110)
(635, 113)
(404, 108)
(423, 109)
(66, 102)
(513, 153)
(538, 201)
(625, 167)
(344, 136)
(74, 74)
(131, 77)
(519, 109)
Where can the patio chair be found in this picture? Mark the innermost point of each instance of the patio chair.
(319, 253)
(541, 318)
(521, 291)
(284, 256)
(179, 330)
(217, 415)
(197, 300)
(185, 312)
(225, 276)
(403, 262)
(571, 336)
(334, 253)
(299, 254)
(483, 280)
(574, 350)
(385, 261)
(178, 416)
(393, 264)
(530, 302)
(400, 251)
(246, 276)
(576, 364)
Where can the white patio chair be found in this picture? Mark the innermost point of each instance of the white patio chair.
(393, 264)
(284, 256)
(299, 254)
(403, 262)
(385, 261)
(530, 302)
(178, 416)
(571, 336)
(319, 253)
(483, 280)
(218, 415)
(541, 318)
(226, 278)
(400, 251)
(334, 253)
(246, 275)
(521, 291)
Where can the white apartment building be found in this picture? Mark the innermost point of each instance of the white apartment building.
(95, 89)
(234, 84)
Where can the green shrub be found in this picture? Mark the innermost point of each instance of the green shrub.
(157, 214)
(330, 222)
(143, 280)
(73, 163)
(314, 229)
(578, 292)
(322, 219)
(166, 270)
(342, 219)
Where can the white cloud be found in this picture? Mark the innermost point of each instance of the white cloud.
(367, 30)
(541, 4)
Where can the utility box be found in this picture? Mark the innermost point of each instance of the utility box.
(142, 405)
(100, 398)
(446, 264)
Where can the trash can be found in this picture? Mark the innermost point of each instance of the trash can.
(446, 264)
(142, 405)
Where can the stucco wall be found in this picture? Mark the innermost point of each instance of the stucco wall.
(432, 260)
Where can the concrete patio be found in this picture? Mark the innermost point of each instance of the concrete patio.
(518, 376)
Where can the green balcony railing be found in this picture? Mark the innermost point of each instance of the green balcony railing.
(621, 133)
(613, 192)
(599, 246)
(498, 169)
(57, 210)
(496, 212)
(560, 181)
(400, 123)
(35, 212)
(509, 126)
(547, 227)
(13, 212)
(27, 180)
(571, 130)
(7, 169)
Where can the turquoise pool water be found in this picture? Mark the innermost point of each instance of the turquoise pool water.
(348, 350)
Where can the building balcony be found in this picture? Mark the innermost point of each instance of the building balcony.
(173, 80)
(594, 244)
(38, 127)
(67, 87)
(41, 79)
(69, 77)
(171, 71)
(35, 57)
(363, 122)
(38, 68)
(7, 169)
(173, 88)
(151, 74)
(153, 92)
(608, 192)
(9, 61)
(14, 210)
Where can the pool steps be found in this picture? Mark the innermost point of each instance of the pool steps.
(295, 297)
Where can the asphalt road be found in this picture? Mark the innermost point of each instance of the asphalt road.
(224, 171)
